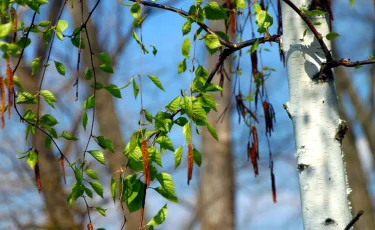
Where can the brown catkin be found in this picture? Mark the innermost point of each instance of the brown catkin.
(190, 162)
(2, 96)
(10, 86)
(146, 168)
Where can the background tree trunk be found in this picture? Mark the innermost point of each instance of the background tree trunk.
(216, 198)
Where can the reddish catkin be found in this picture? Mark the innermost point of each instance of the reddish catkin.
(2, 95)
(37, 173)
(146, 168)
(15, 22)
(190, 162)
(90, 226)
(10, 86)
(273, 184)
(63, 167)
(232, 17)
(253, 150)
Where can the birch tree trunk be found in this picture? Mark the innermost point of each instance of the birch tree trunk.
(313, 109)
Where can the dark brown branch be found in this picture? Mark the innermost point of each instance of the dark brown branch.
(354, 220)
(348, 63)
(317, 35)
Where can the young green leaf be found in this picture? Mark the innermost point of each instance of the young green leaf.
(44, 23)
(188, 106)
(135, 10)
(114, 90)
(84, 120)
(177, 157)
(212, 43)
(101, 210)
(105, 143)
(107, 68)
(165, 143)
(92, 174)
(212, 130)
(89, 103)
(88, 192)
(61, 25)
(197, 156)
(88, 74)
(135, 89)
(68, 136)
(60, 68)
(98, 155)
(186, 28)
(35, 65)
(332, 36)
(48, 97)
(48, 120)
(240, 4)
(113, 189)
(31, 159)
(209, 100)
(186, 48)
(214, 11)
(173, 105)
(160, 217)
(98, 188)
(105, 58)
(186, 130)
(182, 66)
(156, 81)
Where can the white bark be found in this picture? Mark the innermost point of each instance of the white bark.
(314, 112)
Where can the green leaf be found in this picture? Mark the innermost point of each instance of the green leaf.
(186, 130)
(134, 201)
(106, 68)
(98, 188)
(209, 100)
(156, 81)
(154, 50)
(44, 23)
(351, 2)
(214, 11)
(113, 189)
(5, 29)
(188, 106)
(197, 157)
(92, 174)
(48, 120)
(61, 25)
(26, 98)
(60, 68)
(177, 157)
(88, 192)
(135, 89)
(148, 116)
(101, 210)
(212, 130)
(41, 2)
(165, 143)
(254, 47)
(182, 66)
(186, 28)
(174, 105)
(160, 217)
(47, 35)
(84, 120)
(78, 175)
(21, 42)
(105, 143)
(155, 156)
(68, 136)
(48, 142)
(89, 103)
(212, 43)
(314, 13)
(186, 48)
(88, 74)
(181, 121)
(201, 72)
(48, 97)
(98, 155)
(135, 10)
(35, 65)
(32, 159)
(332, 36)
(198, 111)
(240, 4)
(113, 90)
(105, 58)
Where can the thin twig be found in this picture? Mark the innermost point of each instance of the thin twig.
(354, 220)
